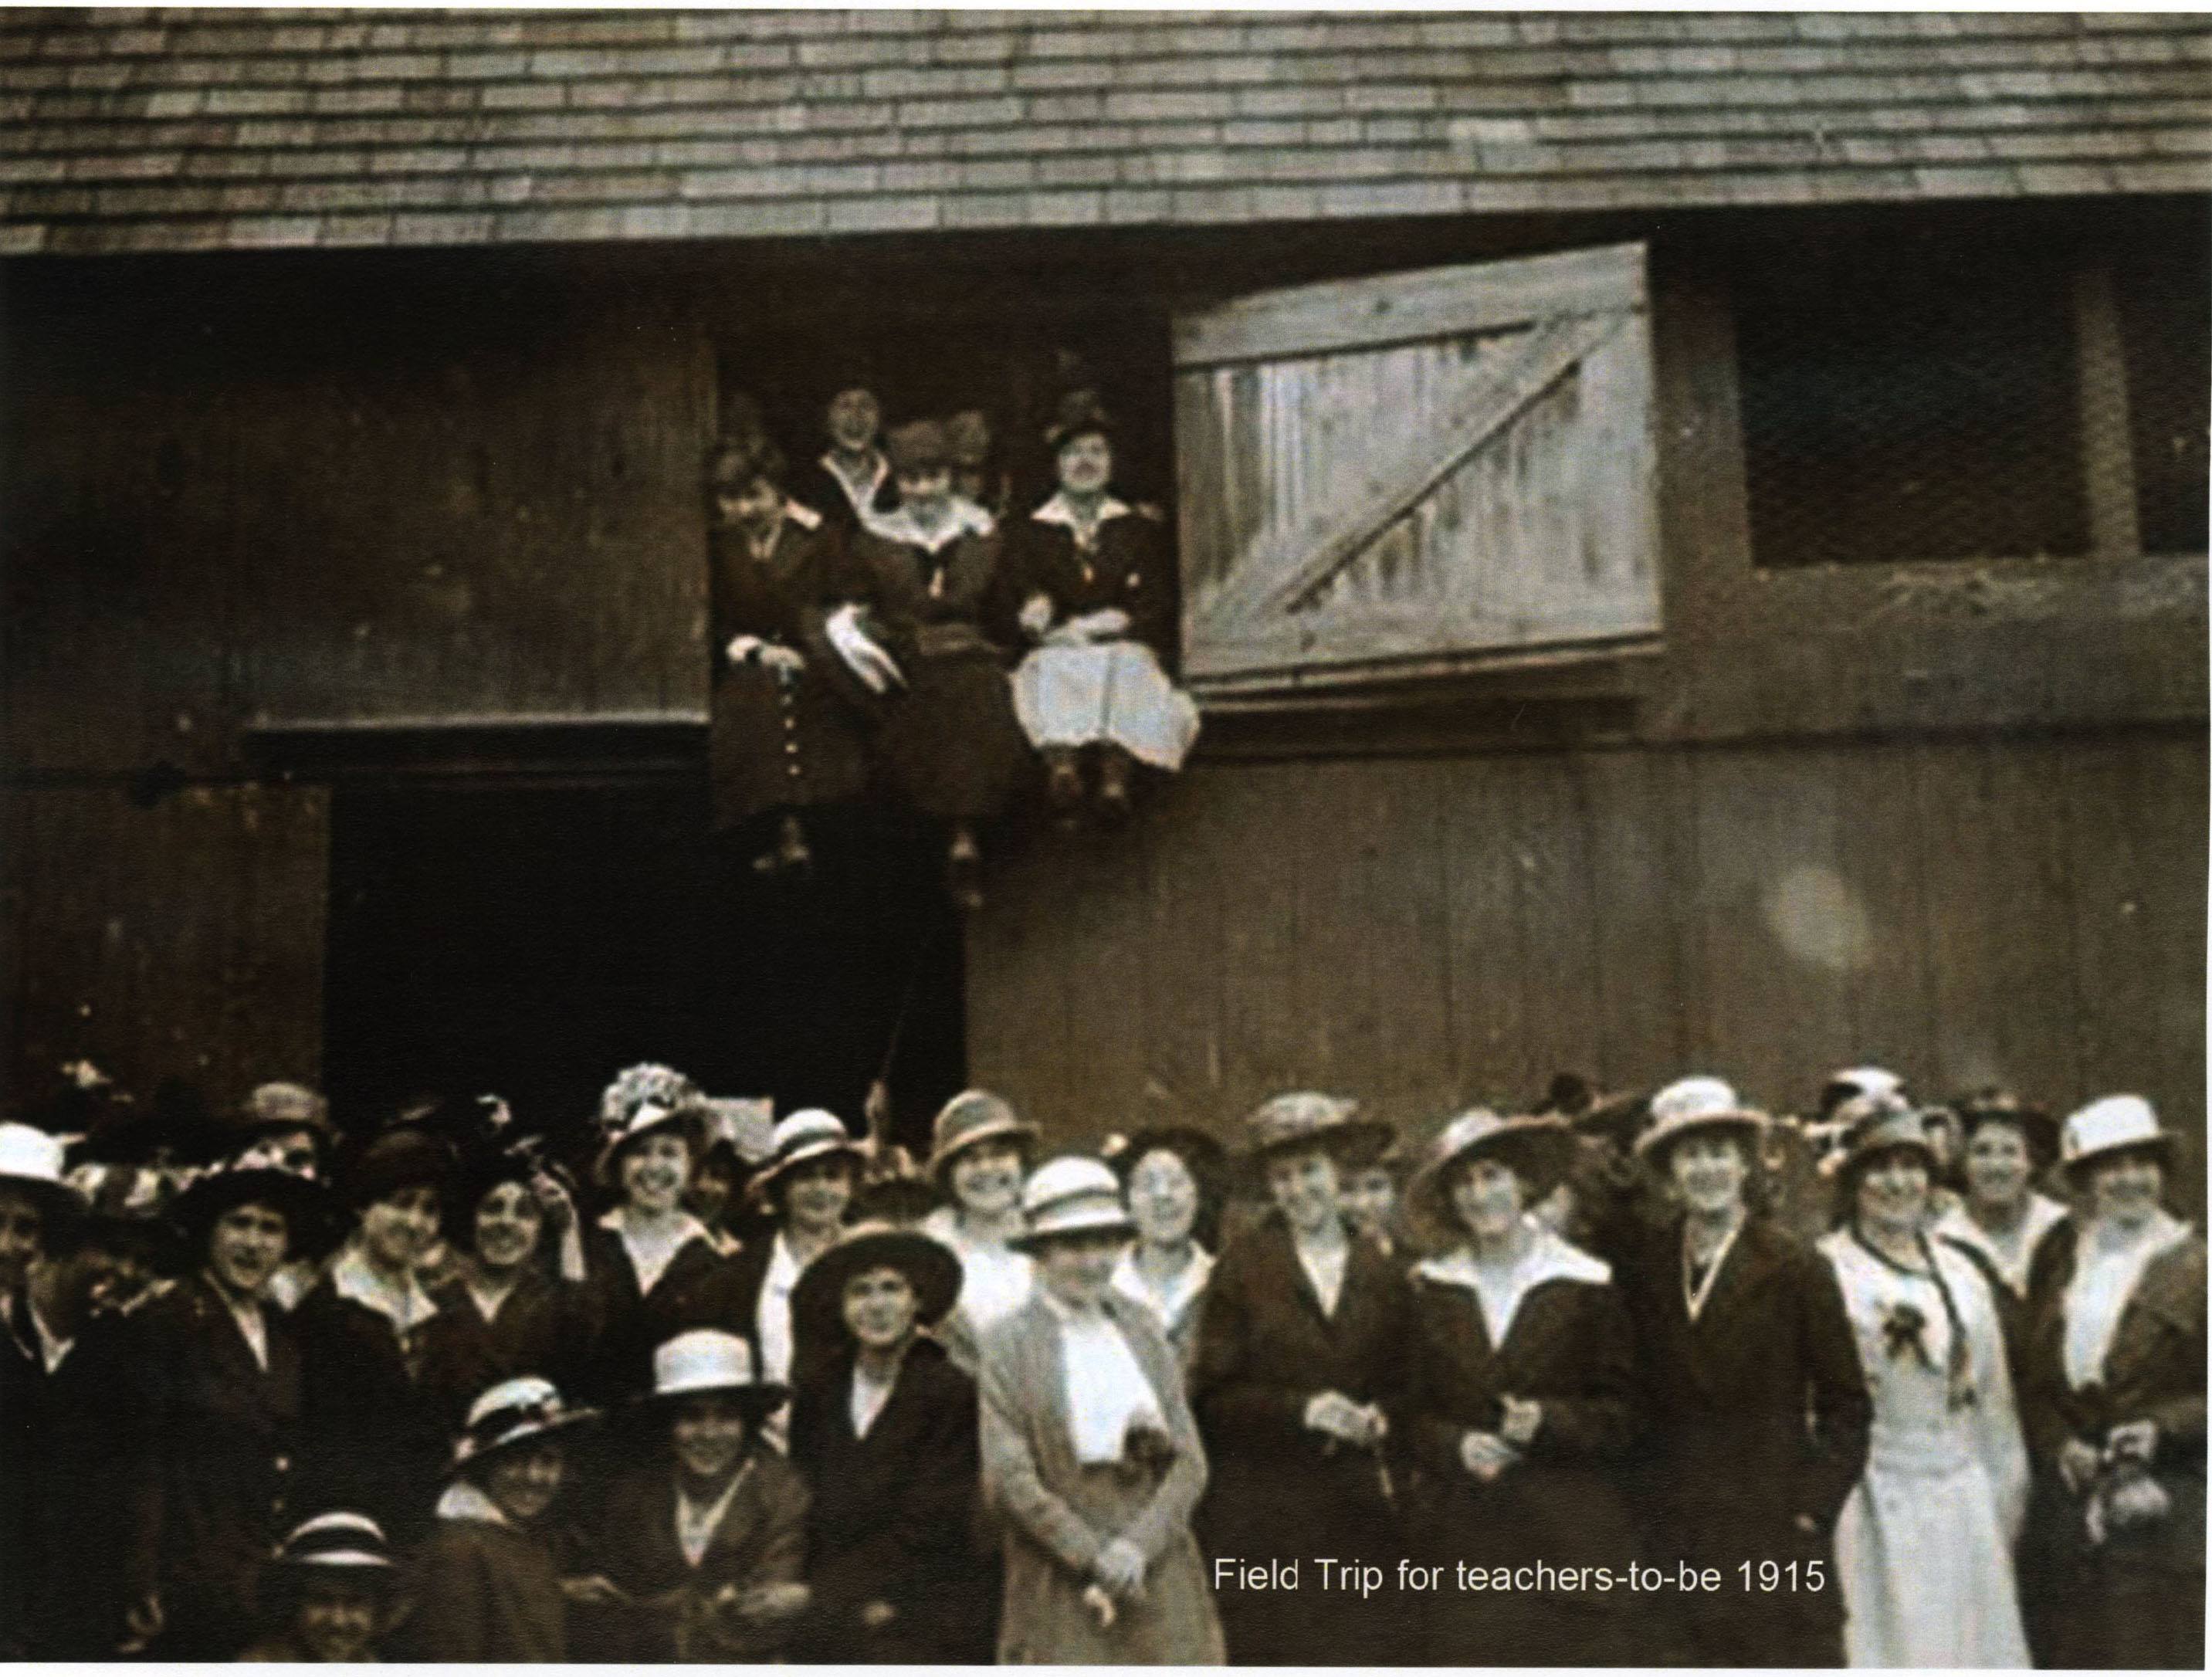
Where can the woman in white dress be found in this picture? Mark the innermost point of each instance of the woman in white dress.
(1925, 1544)
(1168, 1178)
(980, 1154)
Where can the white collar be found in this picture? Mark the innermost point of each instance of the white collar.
(406, 1307)
(464, 1500)
(964, 517)
(783, 1266)
(862, 495)
(51, 1349)
(651, 1258)
(686, 1225)
(1059, 510)
(1694, 1297)
(1169, 1303)
(696, 1522)
(1549, 1258)
(1957, 1226)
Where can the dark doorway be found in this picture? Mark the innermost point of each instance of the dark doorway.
(531, 942)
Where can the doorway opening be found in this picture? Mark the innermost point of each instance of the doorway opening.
(533, 941)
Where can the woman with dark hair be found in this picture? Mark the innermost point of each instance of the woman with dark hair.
(785, 734)
(1519, 1405)
(884, 1427)
(851, 481)
(1091, 573)
(1091, 1458)
(2001, 1222)
(930, 574)
(2113, 1393)
(1301, 1342)
(213, 1423)
(1925, 1542)
(1171, 1178)
(1757, 1409)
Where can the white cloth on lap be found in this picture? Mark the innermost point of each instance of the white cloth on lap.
(1115, 692)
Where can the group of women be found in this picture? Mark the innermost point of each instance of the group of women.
(422, 1394)
(876, 629)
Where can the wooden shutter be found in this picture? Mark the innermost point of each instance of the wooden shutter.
(1418, 473)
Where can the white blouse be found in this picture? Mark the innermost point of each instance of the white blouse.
(1106, 1391)
(1169, 1305)
(1499, 1292)
(2107, 1267)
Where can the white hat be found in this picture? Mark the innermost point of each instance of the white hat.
(1072, 1196)
(810, 1133)
(340, 1538)
(708, 1359)
(2109, 1125)
(1537, 1147)
(1857, 1080)
(511, 1412)
(1695, 1104)
(643, 1119)
(30, 1157)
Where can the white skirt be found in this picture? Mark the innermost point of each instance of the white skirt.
(1926, 1566)
(1114, 693)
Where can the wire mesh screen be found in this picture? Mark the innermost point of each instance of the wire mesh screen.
(1910, 403)
(2166, 325)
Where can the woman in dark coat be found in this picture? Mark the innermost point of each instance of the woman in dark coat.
(2001, 1221)
(652, 1269)
(508, 1309)
(786, 735)
(1518, 1411)
(852, 480)
(377, 1437)
(1300, 1345)
(2112, 1571)
(885, 1430)
(930, 572)
(1742, 1340)
(215, 1422)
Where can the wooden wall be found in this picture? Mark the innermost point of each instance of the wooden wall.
(1426, 931)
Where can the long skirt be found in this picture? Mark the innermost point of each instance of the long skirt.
(1925, 1565)
(779, 743)
(950, 743)
(1116, 694)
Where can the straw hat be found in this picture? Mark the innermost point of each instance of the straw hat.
(339, 1541)
(1307, 1119)
(1537, 1149)
(969, 1118)
(1072, 1196)
(2117, 1123)
(31, 1163)
(1691, 1105)
(286, 1106)
(1855, 1081)
(513, 1412)
(929, 1265)
(809, 1133)
(647, 1119)
(708, 1359)
(1873, 1125)
(1201, 1151)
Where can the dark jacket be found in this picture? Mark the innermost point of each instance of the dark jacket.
(214, 1440)
(762, 1539)
(2085, 1603)
(890, 1515)
(1128, 568)
(543, 1327)
(819, 489)
(777, 742)
(376, 1440)
(696, 1290)
(1279, 1489)
(487, 1593)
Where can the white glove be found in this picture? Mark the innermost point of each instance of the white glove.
(1036, 616)
(742, 646)
(1105, 624)
(783, 661)
(863, 657)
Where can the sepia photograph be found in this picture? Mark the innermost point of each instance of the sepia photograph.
(847, 836)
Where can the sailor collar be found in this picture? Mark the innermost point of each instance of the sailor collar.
(965, 519)
(1060, 512)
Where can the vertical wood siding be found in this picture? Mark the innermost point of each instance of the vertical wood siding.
(1426, 931)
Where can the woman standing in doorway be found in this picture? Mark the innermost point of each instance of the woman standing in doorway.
(1925, 1544)
(1301, 1341)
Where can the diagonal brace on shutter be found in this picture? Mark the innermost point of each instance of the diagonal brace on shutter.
(1263, 587)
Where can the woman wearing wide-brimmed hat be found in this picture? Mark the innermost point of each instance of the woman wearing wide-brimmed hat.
(980, 1152)
(1091, 1457)
(2003, 1220)
(1925, 1543)
(491, 1578)
(806, 1183)
(883, 1426)
(929, 578)
(1519, 1404)
(380, 1434)
(329, 1594)
(786, 734)
(1092, 576)
(213, 1428)
(1301, 1341)
(652, 1268)
(701, 1548)
(509, 1308)
(2113, 1375)
(1757, 1409)
(1171, 1177)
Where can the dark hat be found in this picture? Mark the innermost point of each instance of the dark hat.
(1874, 1126)
(1202, 1153)
(255, 1177)
(1307, 1119)
(285, 1106)
(1537, 1149)
(524, 1161)
(740, 462)
(405, 1156)
(709, 1359)
(130, 1206)
(1993, 1105)
(513, 1412)
(1080, 413)
(968, 438)
(918, 447)
(929, 1266)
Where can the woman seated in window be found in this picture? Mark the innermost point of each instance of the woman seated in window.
(786, 734)
(1090, 571)
(930, 572)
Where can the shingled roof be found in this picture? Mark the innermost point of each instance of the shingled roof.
(141, 130)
